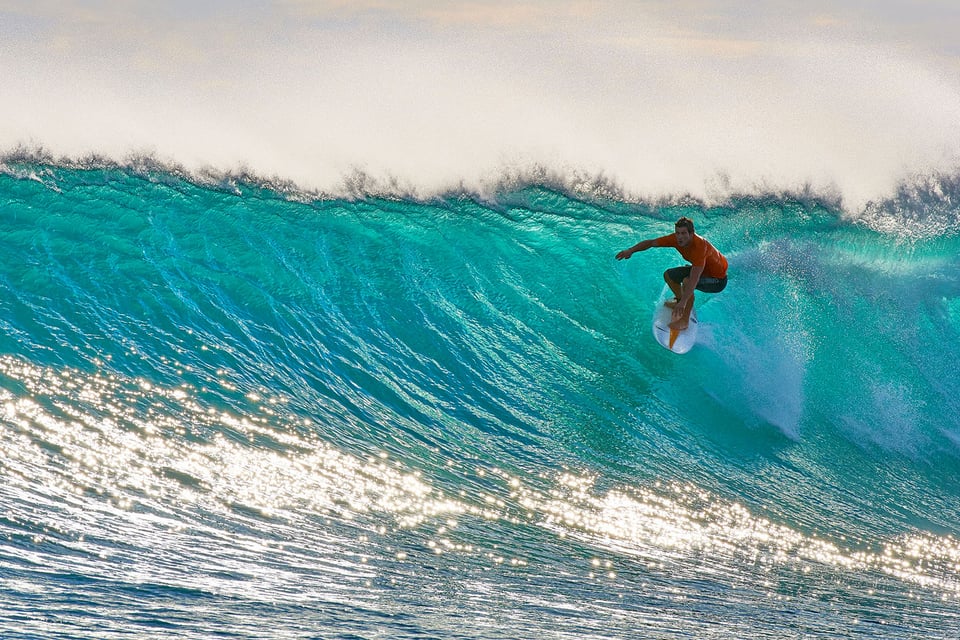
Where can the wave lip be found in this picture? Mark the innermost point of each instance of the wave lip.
(923, 206)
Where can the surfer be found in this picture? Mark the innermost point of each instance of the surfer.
(707, 270)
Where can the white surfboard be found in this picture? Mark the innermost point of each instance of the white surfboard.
(676, 341)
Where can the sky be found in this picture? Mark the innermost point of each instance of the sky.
(690, 96)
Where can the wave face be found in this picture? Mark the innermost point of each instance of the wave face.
(236, 409)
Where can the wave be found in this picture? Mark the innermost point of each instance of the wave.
(318, 307)
(203, 350)
(811, 268)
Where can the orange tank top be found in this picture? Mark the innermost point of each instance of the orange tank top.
(700, 253)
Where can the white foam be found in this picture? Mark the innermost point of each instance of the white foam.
(430, 97)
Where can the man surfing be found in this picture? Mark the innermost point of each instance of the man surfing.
(707, 270)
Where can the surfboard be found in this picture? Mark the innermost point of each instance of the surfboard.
(676, 341)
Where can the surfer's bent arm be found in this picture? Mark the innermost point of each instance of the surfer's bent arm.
(643, 245)
(689, 285)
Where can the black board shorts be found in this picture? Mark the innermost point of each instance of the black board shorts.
(705, 284)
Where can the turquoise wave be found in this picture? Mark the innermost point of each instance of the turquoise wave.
(162, 315)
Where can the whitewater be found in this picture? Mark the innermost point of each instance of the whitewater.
(311, 326)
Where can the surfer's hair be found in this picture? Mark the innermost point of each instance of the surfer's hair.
(685, 222)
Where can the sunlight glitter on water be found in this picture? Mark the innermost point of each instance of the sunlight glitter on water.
(678, 520)
(124, 439)
(149, 458)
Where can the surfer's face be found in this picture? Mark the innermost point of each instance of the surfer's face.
(683, 236)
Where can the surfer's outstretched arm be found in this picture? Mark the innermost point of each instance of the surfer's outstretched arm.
(643, 245)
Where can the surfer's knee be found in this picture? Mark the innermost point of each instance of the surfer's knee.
(676, 275)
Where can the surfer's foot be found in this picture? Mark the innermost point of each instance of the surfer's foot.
(679, 325)
(670, 304)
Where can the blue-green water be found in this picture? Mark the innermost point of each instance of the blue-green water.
(231, 410)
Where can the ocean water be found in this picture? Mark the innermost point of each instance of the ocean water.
(234, 409)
